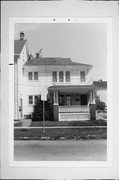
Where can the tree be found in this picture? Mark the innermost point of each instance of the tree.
(38, 111)
(100, 105)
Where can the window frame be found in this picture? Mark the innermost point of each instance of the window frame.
(54, 79)
(29, 76)
(33, 99)
(66, 76)
(83, 77)
(29, 100)
(61, 79)
(32, 75)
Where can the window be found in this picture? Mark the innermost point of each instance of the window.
(35, 99)
(67, 76)
(68, 100)
(54, 76)
(82, 76)
(30, 99)
(61, 100)
(30, 76)
(61, 76)
(35, 75)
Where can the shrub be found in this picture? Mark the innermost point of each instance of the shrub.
(100, 105)
(38, 111)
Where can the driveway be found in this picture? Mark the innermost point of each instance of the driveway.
(60, 150)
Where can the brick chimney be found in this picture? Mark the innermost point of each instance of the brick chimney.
(37, 55)
(22, 35)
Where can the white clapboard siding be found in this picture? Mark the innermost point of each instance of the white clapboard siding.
(16, 115)
(18, 80)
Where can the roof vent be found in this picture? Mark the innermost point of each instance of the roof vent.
(37, 55)
(22, 35)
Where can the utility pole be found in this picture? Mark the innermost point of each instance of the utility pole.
(43, 116)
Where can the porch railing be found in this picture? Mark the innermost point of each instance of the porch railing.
(74, 108)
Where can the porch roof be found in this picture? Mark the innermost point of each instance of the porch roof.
(71, 88)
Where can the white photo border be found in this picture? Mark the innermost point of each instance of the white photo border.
(108, 163)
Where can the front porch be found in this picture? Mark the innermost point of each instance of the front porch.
(72, 103)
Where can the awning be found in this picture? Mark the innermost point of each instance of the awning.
(71, 88)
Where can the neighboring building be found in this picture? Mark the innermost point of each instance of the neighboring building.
(20, 57)
(101, 90)
(66, 83)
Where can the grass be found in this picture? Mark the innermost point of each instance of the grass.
(57, 133)
(69, 123)
(65, 123)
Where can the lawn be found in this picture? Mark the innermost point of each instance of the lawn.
(61, 123)
(60, 133)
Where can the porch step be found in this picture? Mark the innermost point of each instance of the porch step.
(74, 116)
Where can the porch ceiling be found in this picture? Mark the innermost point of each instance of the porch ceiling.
(71, 88)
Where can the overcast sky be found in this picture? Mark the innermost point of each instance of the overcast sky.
(82, 42)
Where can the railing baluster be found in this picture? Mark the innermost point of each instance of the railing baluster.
(73, 108)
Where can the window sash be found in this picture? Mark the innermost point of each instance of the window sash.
(30, 99)
(61, 76)
(35, 99)
(82, 75)
(30, 76)
(61, 100)
(67, 76)
(35, 75)
(54, 76)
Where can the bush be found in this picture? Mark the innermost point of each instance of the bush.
(38, 111)
(100, 105)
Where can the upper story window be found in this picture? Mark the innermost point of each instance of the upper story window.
(35, 75)
(54, 76)
(32, 75)
(61, 76)
(82, 76)
(67, 76)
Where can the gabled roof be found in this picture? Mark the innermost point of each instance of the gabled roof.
(100, 84)
(53, 61)
(18, 46)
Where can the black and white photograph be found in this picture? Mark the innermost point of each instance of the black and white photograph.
(60, 91)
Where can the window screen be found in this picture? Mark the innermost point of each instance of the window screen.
(29, 75)
(35, 75)
(67, 76)
(30, 99)
(54, 76)
(61, 76)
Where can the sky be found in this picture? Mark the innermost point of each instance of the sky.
(82, 42)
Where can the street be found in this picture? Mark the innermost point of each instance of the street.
(61, 150)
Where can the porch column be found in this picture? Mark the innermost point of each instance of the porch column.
(55, 106)
(92, 106)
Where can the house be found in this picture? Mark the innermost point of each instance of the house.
(101, 90)
(20, 57)
(66, 83)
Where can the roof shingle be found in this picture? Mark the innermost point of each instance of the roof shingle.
(100, 84)
(18, 46)
(53, 61)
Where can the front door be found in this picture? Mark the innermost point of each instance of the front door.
(84, 99)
